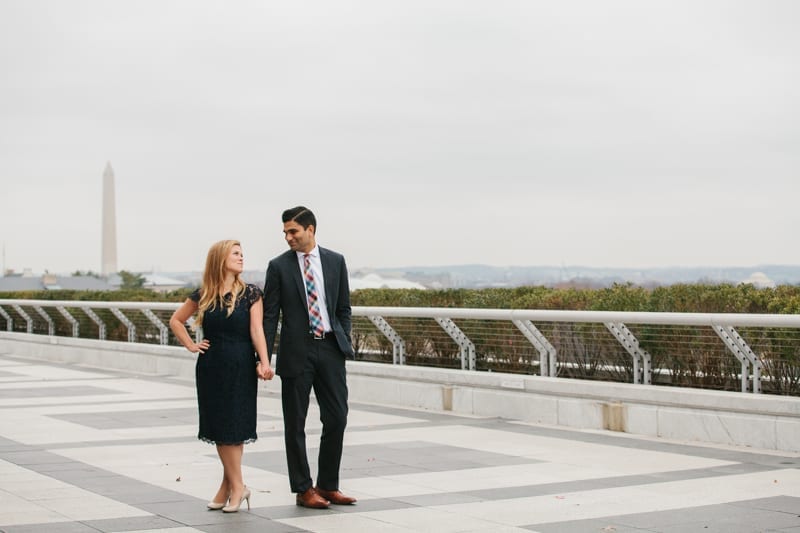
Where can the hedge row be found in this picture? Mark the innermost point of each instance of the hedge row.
(680, 298)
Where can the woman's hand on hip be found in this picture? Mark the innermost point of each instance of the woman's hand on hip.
(199, 347)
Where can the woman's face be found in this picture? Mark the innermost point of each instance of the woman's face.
(235, 261)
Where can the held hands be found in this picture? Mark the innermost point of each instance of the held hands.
(201, 346)
(265, 371)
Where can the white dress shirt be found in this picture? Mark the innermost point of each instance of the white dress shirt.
(319, 282)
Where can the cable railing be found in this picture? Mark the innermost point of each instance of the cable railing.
(756, 353)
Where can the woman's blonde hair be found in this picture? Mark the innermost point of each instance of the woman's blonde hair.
(211, 290)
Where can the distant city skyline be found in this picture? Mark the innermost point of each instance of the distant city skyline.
(605, 134)
(456, 276)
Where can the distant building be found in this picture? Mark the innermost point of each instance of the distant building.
(760, 280)
(374, 281)
(52, 282)
(160, 283)
(154, 282)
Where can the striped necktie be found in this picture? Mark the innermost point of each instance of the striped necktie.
(314, 316)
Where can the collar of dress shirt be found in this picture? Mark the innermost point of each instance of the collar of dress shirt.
(313, 253)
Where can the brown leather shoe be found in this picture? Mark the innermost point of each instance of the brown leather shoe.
(335, 496)
(311, 499)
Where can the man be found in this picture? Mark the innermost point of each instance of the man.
(308, 286)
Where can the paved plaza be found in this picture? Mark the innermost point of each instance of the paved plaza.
(86, 450)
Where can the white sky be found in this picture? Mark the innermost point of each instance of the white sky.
(421, 132)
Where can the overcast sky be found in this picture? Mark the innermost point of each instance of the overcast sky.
(626, 133)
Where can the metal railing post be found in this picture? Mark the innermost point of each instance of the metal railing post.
(101, 326)
(25, 316)
(741, 350)
(467, 349)
(163, 332)
(642, 371)
(70, 319)
(127, 322)
(398, 344)
(51, 326)
(547, 352)
(9, 320)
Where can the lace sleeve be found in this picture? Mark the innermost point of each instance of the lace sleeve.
(253, 294)
(195, 296)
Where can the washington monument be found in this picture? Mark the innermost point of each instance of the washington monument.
(109, 250)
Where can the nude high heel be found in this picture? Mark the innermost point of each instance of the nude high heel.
(216, 506)
(234, 508)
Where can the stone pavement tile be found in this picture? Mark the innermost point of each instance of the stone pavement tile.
(170, 530)
(756, 524)
(54, 392)
(46, 373)
(8, 445)
(637, 443)
(195, 513)
(357, 420)
(31, 458)
(600, 483)
(598, 525)
(273, 460)
(422, 519)
(723, 518)
(97, 481)
(438, 417)
(378, 460)
(69, 470)
(500, 529)
(377, 504)
(90, 507)
(444, 498)
(786, 504)
(136, 494)
(675, 496)
(24, 513)
(133, 524)
(55, 527)
(740, 468)
(411, 470)
(262, 526)
(148, 416)
(27, 496)
(279, 512)
(382, 488)
(132, 419)
(378, 469)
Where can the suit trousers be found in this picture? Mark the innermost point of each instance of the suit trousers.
(325, 372)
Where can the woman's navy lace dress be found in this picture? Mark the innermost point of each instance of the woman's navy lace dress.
(225, 374)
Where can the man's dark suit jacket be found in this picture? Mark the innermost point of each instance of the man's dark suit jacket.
(285, 295)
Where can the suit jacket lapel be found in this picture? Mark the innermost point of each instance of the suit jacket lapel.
(328, 276)
(297, 275)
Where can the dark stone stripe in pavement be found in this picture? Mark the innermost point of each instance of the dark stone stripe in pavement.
(782, 513)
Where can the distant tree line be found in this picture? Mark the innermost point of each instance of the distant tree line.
(679, 298)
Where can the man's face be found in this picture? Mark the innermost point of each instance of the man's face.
(298, 238)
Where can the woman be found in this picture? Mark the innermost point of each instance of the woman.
(227, 371)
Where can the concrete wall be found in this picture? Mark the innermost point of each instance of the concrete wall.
(758, 421)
